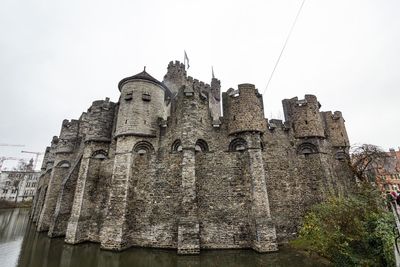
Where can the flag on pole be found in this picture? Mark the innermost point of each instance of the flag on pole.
(212, 72)
(186, 59)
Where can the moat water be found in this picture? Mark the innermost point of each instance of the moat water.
(22, 246)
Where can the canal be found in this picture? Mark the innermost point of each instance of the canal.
(22, 246)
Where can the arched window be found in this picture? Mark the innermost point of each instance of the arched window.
(201, 146)
(306, 149)
(99, 154)
(143, 147)
(238, 144)
(176, 146)
(341, 155)
(64, 164)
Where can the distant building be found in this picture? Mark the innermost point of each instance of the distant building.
(18, 185)
(387, 176)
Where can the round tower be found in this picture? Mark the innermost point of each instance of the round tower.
(141, 105)
(304, 116)
(244, 109)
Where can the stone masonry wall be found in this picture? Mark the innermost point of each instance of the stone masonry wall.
(224, 200)
(244, 109)
(304, 116)
(167, 171)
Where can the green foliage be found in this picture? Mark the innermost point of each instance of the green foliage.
(352, 231)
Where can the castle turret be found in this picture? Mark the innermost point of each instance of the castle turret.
(175, 77)
(244, 114)
(335, 129)
(304, 116)
(243, 109)
(100, 117)
(68, 136)
(141, 105)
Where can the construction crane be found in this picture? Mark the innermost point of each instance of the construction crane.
(12, 145)
(2, 159)
(36, 158)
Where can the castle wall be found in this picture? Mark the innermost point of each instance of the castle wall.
(41, 195)
(162, 169)
(115, 226)
(224, 200)
(65, 151)
(62, 212)
(53, 189)
(154, 200)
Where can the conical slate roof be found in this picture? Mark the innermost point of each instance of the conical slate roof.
(142, 76)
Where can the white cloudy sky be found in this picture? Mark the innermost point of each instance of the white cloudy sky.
(57, 56)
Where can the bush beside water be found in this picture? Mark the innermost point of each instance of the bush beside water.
(351, 231)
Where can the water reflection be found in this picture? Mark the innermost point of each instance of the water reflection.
(40, 251)
(13, 223)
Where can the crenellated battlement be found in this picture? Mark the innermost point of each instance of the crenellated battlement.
(304, 116)
(176, 66)
(175, 77)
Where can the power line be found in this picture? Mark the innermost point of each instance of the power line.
(284, 45)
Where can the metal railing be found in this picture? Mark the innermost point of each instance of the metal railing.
(396, 231)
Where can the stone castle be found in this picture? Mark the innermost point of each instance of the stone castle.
(162, 168)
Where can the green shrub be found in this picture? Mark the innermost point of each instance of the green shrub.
(352, 231)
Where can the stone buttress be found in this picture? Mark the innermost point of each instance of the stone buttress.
(64, 154)
(245, 114)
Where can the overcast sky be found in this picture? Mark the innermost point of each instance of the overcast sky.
(56, 57)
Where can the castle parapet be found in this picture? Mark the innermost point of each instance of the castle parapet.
(304, 116)
(100, 117)
(335, 129)
(68, 136)
(175, 77)
(243, 109)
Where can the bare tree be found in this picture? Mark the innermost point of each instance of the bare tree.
(366, 160)
(22, 165)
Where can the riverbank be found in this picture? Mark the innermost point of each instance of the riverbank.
(12, 205)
